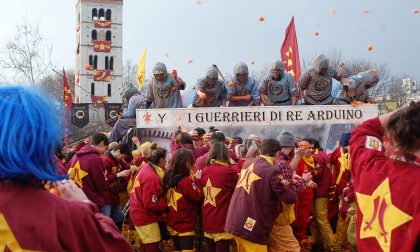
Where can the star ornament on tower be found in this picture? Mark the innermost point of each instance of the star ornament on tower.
(380, 215)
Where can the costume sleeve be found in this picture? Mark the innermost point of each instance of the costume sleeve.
(292, 86)
(223, 92)
(151, 194)
(304, 81)
(150, 97)
(191, 189)
(366, 145)
(254, 92)
(130, 111)
(283, 193)
(264, 86)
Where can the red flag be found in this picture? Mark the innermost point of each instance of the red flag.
(68, 101)
(290, 52)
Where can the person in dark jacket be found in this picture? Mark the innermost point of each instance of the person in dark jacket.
(255, 202)
(87, 169)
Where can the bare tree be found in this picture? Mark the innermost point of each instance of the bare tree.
(27, 56)
(53, 84)
(129, 73)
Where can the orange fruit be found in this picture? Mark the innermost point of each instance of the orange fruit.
(174, 88)
(370, 47)
(316, 33)
(231, 84)
(415, 11)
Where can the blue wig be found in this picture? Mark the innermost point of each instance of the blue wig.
(30, 133)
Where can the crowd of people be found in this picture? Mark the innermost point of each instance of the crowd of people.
(209, 192)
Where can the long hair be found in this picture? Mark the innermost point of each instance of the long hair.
(29, 135)
(219, 152)
(179, 168)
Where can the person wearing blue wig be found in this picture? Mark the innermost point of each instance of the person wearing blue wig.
(32, 218)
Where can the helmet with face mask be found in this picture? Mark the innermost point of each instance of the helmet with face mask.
(240, 68)
(277, 66)
(369, 78)
(160, 72)
(212, 73)
(321, 64)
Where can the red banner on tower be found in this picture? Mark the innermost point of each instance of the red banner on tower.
(68, 101)
(102, 75)
(101, 46)
(103, 24)
(290, 52)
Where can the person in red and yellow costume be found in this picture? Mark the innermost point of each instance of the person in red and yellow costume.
(255, 204)
(387, 189)
(281, 236)
(321, 229)
(87, 169)
(305, 198)
(31, 218)
(183, 196)
(340, 165)
(116, 178)
(147, 200)
(218, 181)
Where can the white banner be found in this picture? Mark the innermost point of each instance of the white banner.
(254, 116)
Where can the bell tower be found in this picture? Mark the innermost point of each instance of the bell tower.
(98, 52)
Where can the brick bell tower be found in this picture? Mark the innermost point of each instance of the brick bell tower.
(99, 55)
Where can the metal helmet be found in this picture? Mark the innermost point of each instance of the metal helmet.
(159, 68)
(320, 62)
(240, 68)
(369, 78)
(277, 65)
(129, 91)
(212, 73)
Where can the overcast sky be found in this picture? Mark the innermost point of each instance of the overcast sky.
(225, 32)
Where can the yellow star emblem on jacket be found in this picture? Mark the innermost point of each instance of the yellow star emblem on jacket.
(248, 176)
(210, 193)
(380, 215)
(173, 196)
(77, 174)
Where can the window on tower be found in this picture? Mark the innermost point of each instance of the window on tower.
(108, 14)
(109, 89)
(90, 60)
(106, 63)
(95, 62)
(94, 35)
(111, 64)
(108, 35)
(92, 89)
(101, 14)
(94, 14)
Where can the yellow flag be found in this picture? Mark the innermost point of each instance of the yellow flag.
(141, 69)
